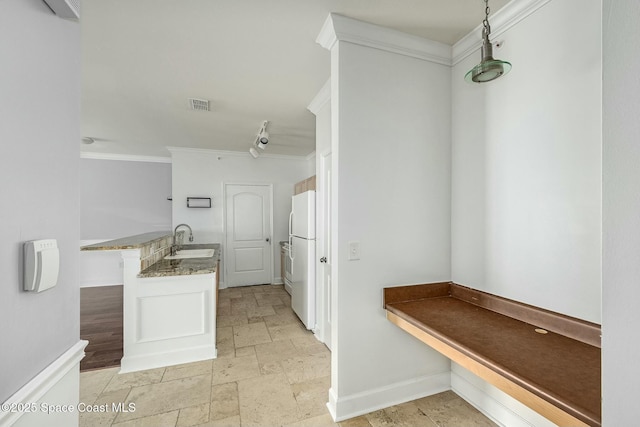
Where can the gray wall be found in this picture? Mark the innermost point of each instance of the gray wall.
(123, 198)
(39, 131)
(621, 212)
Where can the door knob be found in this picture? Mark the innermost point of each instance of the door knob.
(268, 239)
(323, 259)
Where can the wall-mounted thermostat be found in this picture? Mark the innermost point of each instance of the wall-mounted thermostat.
(41, 265)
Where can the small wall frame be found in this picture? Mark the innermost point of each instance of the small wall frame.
(198, 202)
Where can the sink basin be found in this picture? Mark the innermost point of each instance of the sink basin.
(192, 253)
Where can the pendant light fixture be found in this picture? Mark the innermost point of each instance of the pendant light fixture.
(488, 69)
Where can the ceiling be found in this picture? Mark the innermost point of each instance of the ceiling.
(254, 60)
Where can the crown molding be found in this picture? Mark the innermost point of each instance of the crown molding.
(124, 157)
(340, 28)
(221, 153)
(327, 36)
(321, 98)
(512, 13)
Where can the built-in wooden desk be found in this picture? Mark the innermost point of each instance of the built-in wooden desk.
(548, 361)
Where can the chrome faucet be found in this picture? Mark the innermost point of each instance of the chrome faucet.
(174, 247)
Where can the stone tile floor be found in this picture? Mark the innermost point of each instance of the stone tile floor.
(270, 371)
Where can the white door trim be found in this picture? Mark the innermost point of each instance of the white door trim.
(323, 317)
(225, 228)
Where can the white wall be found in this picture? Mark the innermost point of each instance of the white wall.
(391, 165)
(99, 268)
(526, 150)
(311, 164)
(526, 177)
(621, 212)
(203, 173)
(119, 198)
(123, 198)
(524, 217)
(40, 115)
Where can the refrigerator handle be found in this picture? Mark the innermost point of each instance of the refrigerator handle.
(290, 223)
(290, 236)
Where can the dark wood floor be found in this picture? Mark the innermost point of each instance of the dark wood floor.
(101, 325)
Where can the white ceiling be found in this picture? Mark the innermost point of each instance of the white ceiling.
(254, 60)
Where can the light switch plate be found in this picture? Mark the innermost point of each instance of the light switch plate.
(354, 250)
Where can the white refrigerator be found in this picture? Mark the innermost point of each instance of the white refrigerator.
(302, 243)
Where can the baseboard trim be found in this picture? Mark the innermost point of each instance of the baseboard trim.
(159, 360)
(501, 408)
(332, 404)
(344, 408)
(47, 379)
(99, 284)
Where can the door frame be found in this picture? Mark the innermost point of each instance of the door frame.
(323, 317)
(225, 250)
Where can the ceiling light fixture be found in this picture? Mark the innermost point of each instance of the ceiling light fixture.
(488, 69)
(263, 136)
(262, 139)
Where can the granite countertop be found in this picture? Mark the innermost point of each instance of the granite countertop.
(185, 266)
(131, 242)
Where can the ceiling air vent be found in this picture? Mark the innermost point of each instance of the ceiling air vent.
(198, 104)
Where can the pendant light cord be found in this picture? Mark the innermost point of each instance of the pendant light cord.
(487, 28)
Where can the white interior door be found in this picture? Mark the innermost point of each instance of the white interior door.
(248, 235)
(325, 253)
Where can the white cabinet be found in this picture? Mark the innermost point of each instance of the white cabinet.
(167, 320)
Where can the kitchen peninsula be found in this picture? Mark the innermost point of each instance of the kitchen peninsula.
(169, 301)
